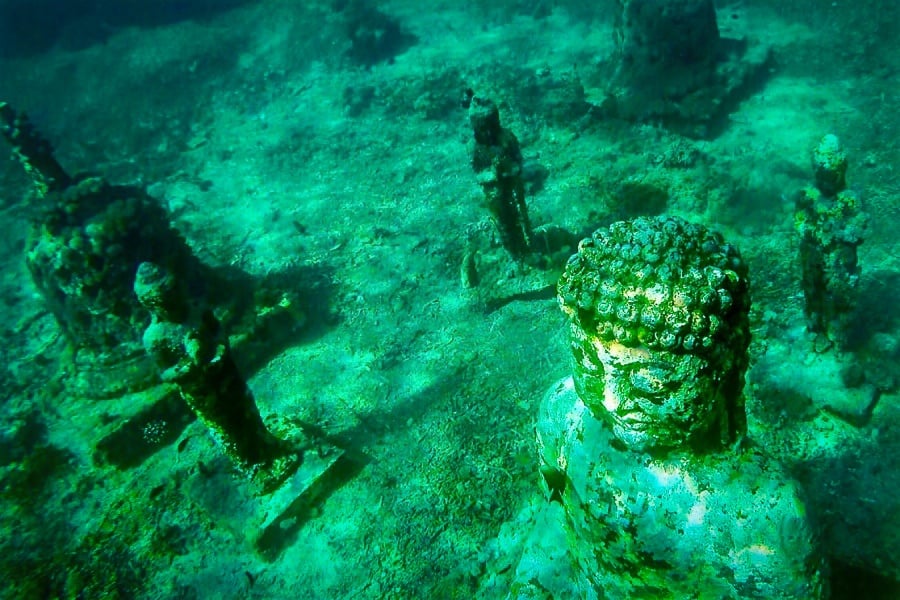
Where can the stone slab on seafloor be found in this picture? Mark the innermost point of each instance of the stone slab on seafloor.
(286, 509)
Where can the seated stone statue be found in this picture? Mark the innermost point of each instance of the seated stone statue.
(651, 489)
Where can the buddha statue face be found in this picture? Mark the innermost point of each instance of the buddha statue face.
(658, 318)
(650, 397)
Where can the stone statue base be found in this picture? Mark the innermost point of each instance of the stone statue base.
(493, 279)
(284, 511)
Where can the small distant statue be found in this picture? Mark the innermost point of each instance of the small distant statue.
(831, 226)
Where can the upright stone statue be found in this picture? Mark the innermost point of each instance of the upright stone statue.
(831, 225)
(192, 352)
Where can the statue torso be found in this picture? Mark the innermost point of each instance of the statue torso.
(722, 525)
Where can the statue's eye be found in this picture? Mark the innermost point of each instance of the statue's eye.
(652, 380)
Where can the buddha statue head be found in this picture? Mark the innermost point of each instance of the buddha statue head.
(658, 314)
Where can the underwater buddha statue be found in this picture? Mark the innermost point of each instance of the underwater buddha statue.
(645, 465)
